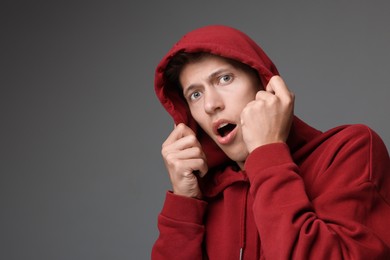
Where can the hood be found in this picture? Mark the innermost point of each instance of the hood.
(219, 40)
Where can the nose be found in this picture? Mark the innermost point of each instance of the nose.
(213, 101)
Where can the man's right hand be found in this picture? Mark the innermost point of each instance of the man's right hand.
(183, 157)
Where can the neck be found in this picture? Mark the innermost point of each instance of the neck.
(241, 165)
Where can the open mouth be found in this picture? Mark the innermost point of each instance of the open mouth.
(224, 129)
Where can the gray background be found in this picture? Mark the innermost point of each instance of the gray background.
(81, 176)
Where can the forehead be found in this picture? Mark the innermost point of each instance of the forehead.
(209, 59)
(205, 66)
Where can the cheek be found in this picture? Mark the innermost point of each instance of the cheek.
(252, 94)
(241, 101)
(195, 113)
(199, 116)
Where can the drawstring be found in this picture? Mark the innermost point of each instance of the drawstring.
(243, 221)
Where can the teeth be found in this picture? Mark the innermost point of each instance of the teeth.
(222, 125)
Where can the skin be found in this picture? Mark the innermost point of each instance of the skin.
(216, 91)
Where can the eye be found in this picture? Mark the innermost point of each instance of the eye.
(195, 95)
(225, 79)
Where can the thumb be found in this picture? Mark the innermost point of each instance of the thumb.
(274, 84)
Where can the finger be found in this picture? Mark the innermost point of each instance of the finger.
(184, 130)
(184, 143)
(263, 95)
(198, 166)
(203, 169)
(277, 86)
(178, 132)
(190, 153)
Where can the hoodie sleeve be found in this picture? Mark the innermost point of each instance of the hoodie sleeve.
(336, 206)
(181, 229)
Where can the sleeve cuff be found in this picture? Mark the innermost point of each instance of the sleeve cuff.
(183, 209)
(267, 156)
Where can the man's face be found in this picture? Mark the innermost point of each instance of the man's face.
(217, 92)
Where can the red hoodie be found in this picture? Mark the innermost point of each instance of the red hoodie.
(319, 196)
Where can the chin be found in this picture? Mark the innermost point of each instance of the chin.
(238, 155)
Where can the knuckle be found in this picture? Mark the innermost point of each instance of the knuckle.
(198, 162)
(164, 146)
(170, 158)
(192, 139)
(164, 151)
(178, 129)
(275, 78)
(292, 96)
(198, 151)
(179, 165)
(273, 99)
(259, 105)
(291, 99)
(174, 168)
(181, 127)
(245, 112)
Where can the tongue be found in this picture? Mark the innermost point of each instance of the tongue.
(226, 129)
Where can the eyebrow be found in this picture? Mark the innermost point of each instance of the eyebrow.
(216, 73)
(210, 77)
(185, 91)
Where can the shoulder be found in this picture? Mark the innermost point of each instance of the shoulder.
(355, 131)
(354, 138)
(356, 149)
(357, 139)
(359, 155)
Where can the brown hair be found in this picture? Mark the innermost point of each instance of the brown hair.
(177, 63)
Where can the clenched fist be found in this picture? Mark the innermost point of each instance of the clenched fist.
(183, 157)
(268, 118)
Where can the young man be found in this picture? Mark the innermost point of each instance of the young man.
(249, 179)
